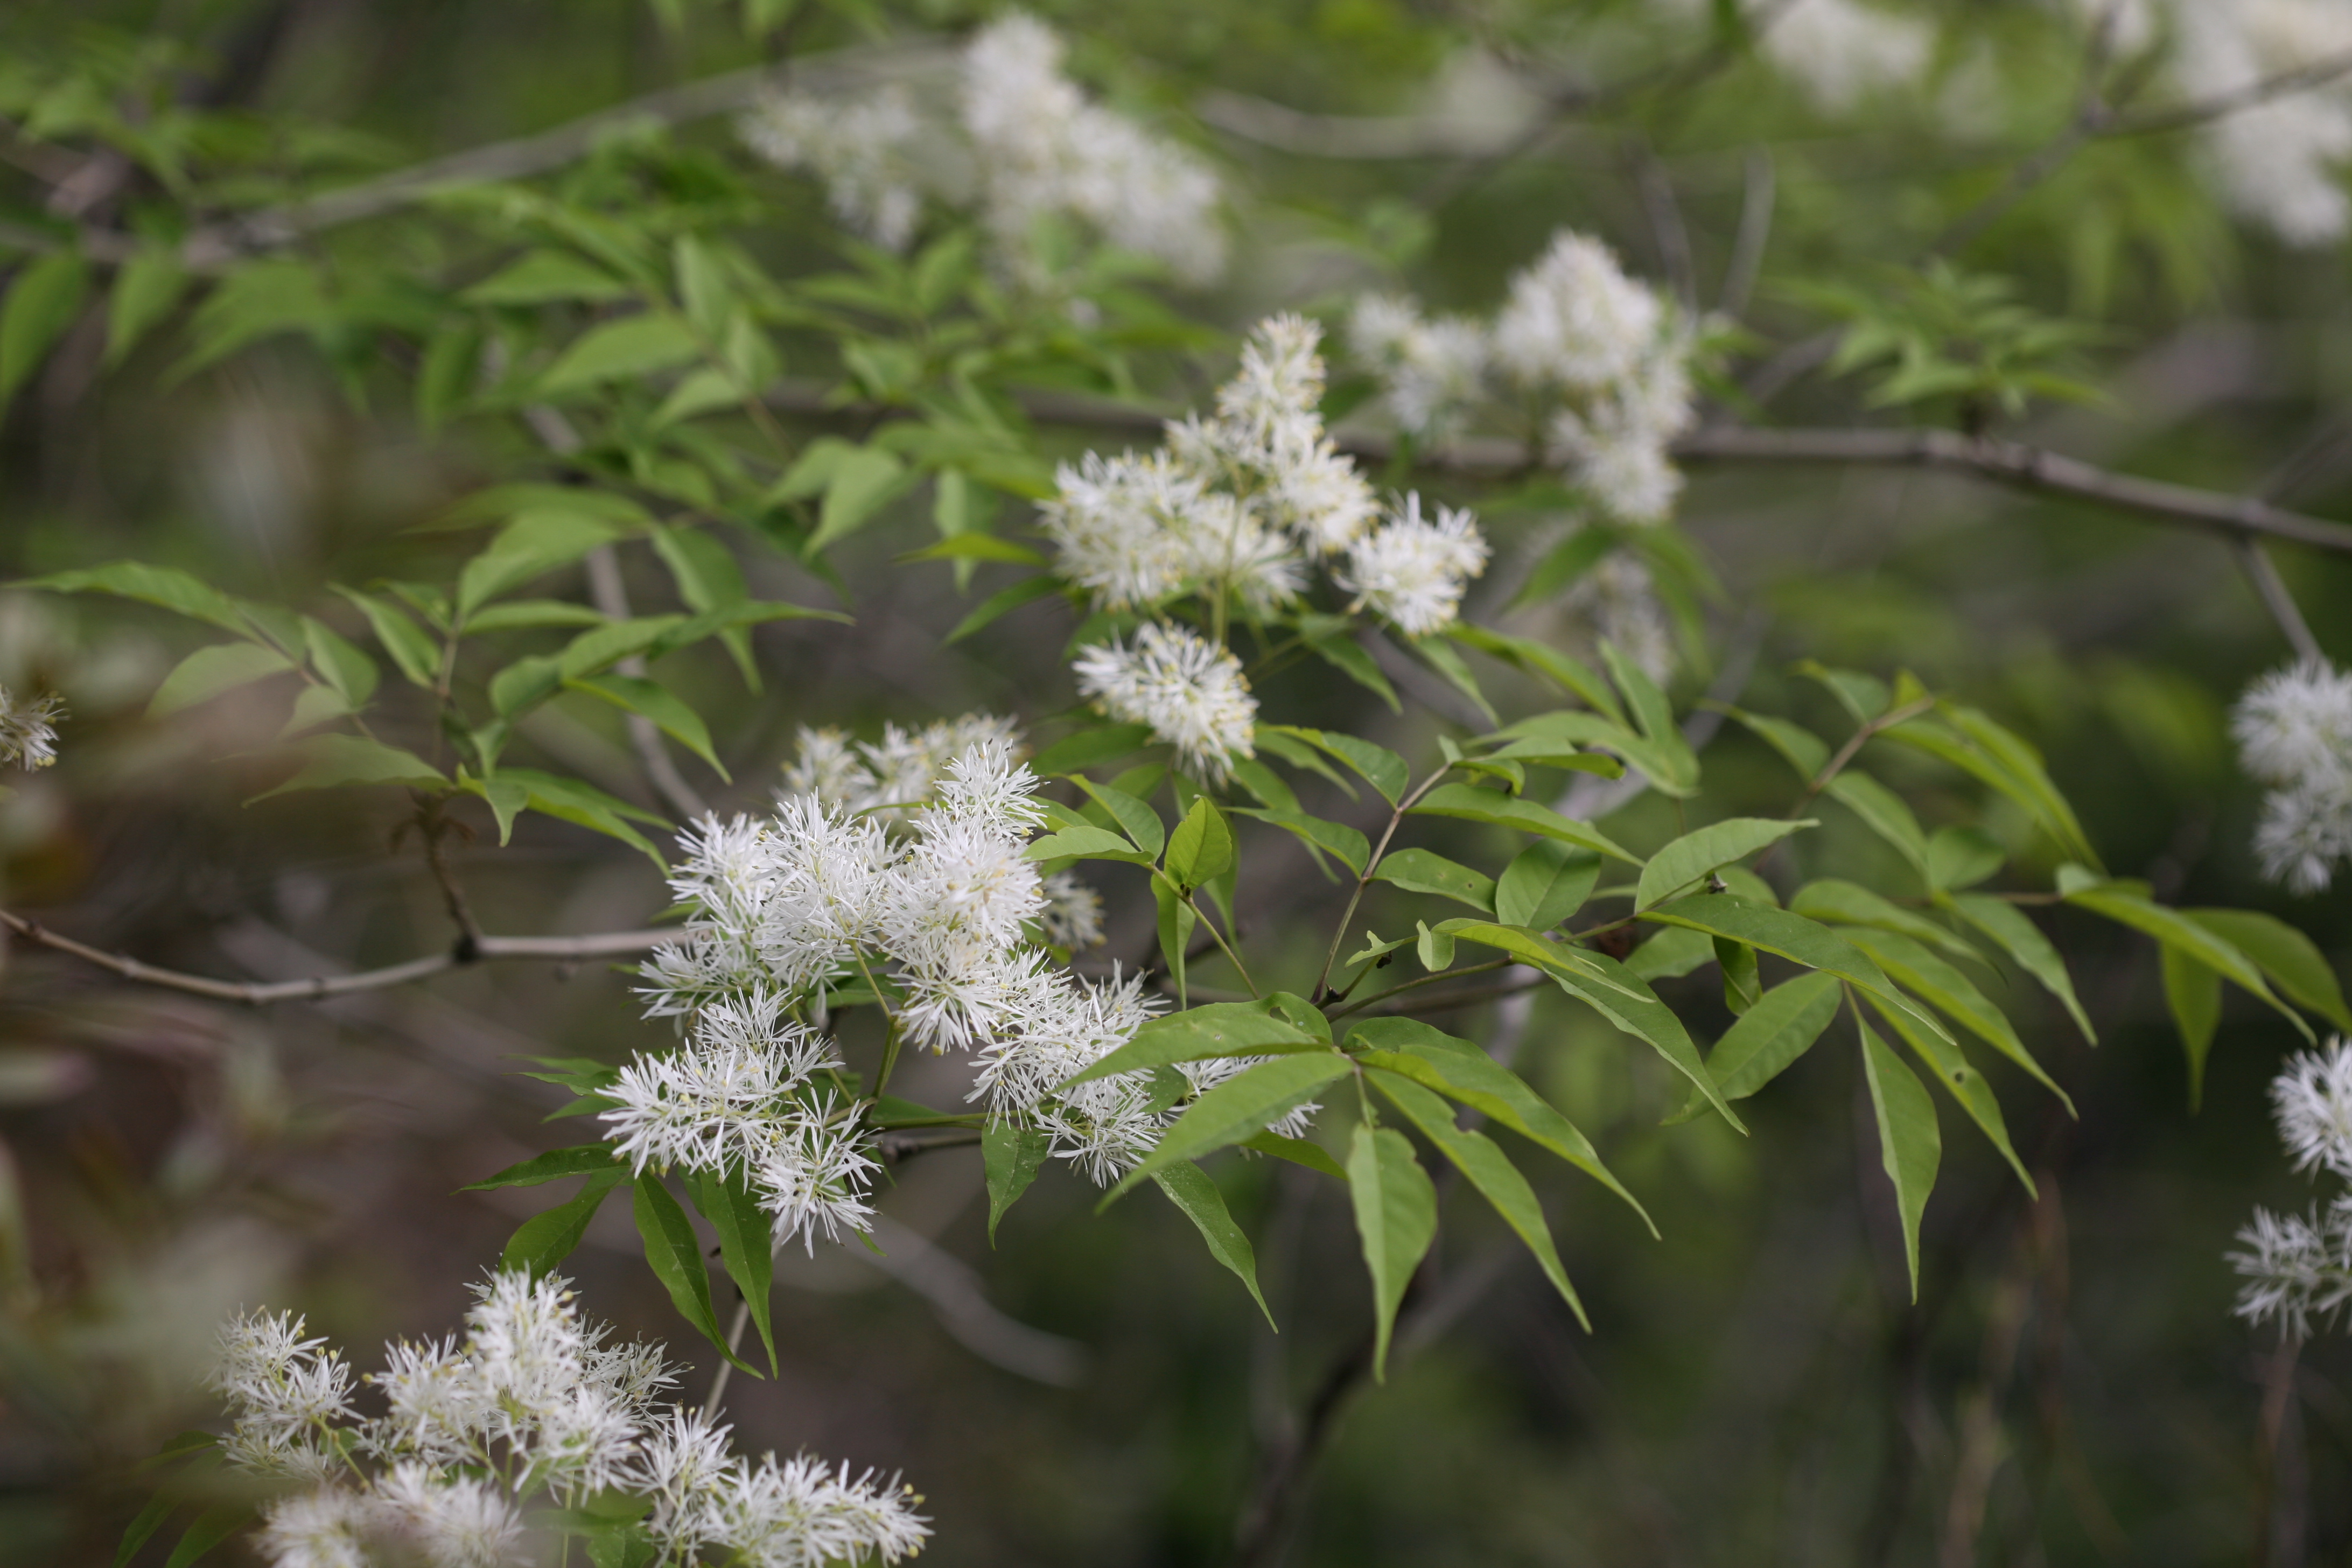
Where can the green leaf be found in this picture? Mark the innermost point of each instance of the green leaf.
(1949, 1067)
(1764, 1041)
(1610, 989)
(1133, 816)
(2026, 946)
(1742, 984)
(1217, 1032)
(546, 1239)
(1376, 765)
(146, 288)
(1002, 603)
(1270, 740)
(747, 1246)
(1671, 770)
(1671, 953)
(1436, 948)
(1489, 1170)
(352, 673)
(1419, 871)
(1090, 748)
(1544, 752)
(1344, 655)
(1885, 814)
(2192, 992)
(1462, 1071)
(1010, 1154)
(1201, 849)
(1802, 750)
(212, 1526)
(975, 547)
(210, 671)
(889, 1110)
(148, 1520)
(1910, 1145)
(532, 545)
(534, 614)
(633, 346)
(1440, 657)
(1173, 921)
(43, 299)
(862, 481)
(1692, 856)
(673, 718)
(2290, 958)
(1544, 884)
(581, 1160)
(1298, 1152)
(1570, 675)
(1962, 857)
(546, 278)
(1929, 977)
(1335, 839)
(1791, 936)
(412, 649)
(2124, 906)
(1863, 697)
(1475, 805)
(1085, 844)
(708, 578)
(676, 1257)
(1396, 1217)
(166, 587)
(1189, 1188)
(2013, 769)
(330, 761)
(1652, 713)
(567, 800)
(1849, 903)
(1242, 1106)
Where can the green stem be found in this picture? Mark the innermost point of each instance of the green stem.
(1442, 975)
(1356, 894)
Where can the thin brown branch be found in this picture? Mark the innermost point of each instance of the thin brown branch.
(2222, 105)
(612, 598)
(465, 951)
(2271, 588)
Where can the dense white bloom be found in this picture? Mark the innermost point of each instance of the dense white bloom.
(1840, 52)
(1621, 601)
(1072, 916)
(28, 733)
(1432, 372)
(1412, 571)
(1120, 526)
(2313, 1100)
(1103, 1126)
(1042, 148)
(1191, 691)
(857, 149)
(287, 1394)
(2276, 161)
(1573, 321)
(890, 778)
(534, 1402)
(2294, 728)
(2298, 1268)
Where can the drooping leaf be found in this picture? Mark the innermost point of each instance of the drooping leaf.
(1545, 884)
(1572, 675)
(339, 663)
(2192, 992)
(1764, 1041)
(212, 1526)
(1474, 805)
(1189, 1188)
(2012, 768)
(633, 694)
(1671, 770)
(330, 761)
(615, 350)
(1244, 1104)
(1420, 871)
(1215, 1032)
(747, 1248)
(146, 288)
(1010, 1154)
(1376, 765)
(1910, 1145)
(581, 1160)
(1802, 750)
(862, 482)
(1962, 857)
(1884, 813)
(210, 671)
(1489, 1170)
(533, 545)
(2291, 959)
(411, 647)
(1841, 902)
(42, 299)
(1335, 838)
(1129, 814)
(1000, 604)
(2030, 950)
(1788, 936)
(1692, 856)
(546, 1239)
(2124, 906)
(1932, 980)
(676, 1258)
(142, 1527)
(1297, 1151)
(1091, 749)
(1949, 1067)
(1396, 1218)
(1346, 656)
(1173, 921)
(166, 587)
(546, 278)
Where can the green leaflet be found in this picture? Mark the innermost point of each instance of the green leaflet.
(1240, 1106)
(746, 1243)
(148, 1520)
(1133, 816)
(410, 648)
(2026, 946)
(1214, 1032)
(1572, 675)
(1670, 768)
(1848, 903)
(1461, 1070)
(546, 1239)
(210, 671)
(212, 1526)
(533, 545)
(2292, 961)
(1298, 1152)
(1011, 1155)
(1610, 989)
(1190, 1189)
(1910, 1145)
(1376, 765)
(1947, 990)
(1884, 813)
(166, 587)
(1090, 749)
(633, 694)
(1765, 1040)
(1475, 805)
(1420, 871)
(1335, 839)
(329, 760)
(1201, 849)
(1992, 756)
(1949, 1067)
(1670, 952)
(1396, 1217)
(676, 1258)
(1692, 856)
(1544, 884)
(2192, 992)
(1802, 750)
(1791, 936)
(581, 1160)
(1962, 857)
(1085, 844)
(1489, 1170)
(2121, 904)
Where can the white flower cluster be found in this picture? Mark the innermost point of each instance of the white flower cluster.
(945, 913)
(1605, 354)
(532, 1403)
(2299, 1266)
(28, 731)
(1839, 53)
(2279, 161)
(2294, 728)
(1034, 147)
(1240, 507)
